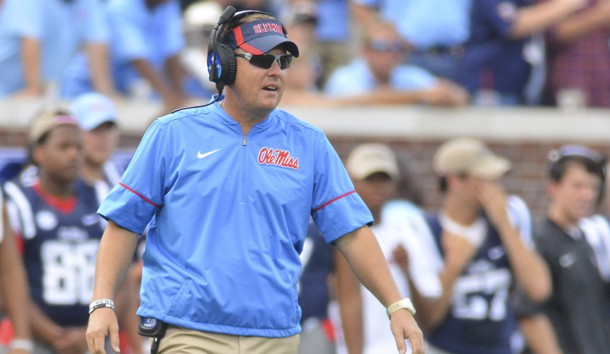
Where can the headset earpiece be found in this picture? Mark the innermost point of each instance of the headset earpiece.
(217, 55)
(229, 65)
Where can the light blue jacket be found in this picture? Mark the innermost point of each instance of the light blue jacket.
(230, 217)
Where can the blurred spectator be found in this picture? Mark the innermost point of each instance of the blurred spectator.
(38, 38)
(317, 333)
(485, 239)
(146, 39)
(436, 29)
(334, 43)
(578, 58)
(405, 240)
(500, 51)
(574, 245)
(301, 25)
(301, 81)
(55, 216)
(199, 19)
(97, 117)
(379, 76)
(14, 289)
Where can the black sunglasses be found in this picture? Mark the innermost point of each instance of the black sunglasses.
(265, 61)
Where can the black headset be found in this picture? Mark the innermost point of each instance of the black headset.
(222, 65)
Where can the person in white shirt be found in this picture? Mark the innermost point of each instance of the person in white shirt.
(405, 240)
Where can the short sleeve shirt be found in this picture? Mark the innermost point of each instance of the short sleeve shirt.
(230, 215)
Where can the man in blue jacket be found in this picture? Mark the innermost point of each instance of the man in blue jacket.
(230, 188)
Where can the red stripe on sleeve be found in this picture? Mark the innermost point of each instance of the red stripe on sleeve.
(139, 195)
(333, 200)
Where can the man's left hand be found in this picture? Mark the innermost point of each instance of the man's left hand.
(404, 327)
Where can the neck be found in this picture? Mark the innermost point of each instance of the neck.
(561, 218)
(92, 173)
(459, 213)
(246, 119)
(59, 189)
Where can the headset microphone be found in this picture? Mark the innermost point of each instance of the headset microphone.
(226, 15)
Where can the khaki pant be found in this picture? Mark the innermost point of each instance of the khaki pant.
(181, 340)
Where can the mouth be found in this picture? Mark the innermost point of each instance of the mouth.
(271, 88)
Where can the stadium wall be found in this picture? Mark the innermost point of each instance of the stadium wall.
(524, 135)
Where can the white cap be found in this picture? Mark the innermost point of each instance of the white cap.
(471, 157)
(92, 110)
(366, 159)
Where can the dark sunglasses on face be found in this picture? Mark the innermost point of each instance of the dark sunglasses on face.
(265, 61)
(379, 45)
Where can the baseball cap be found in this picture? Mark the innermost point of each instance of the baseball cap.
(93, 109)
(47, 119)
(471, 157)
(260, 36)
(366, 159)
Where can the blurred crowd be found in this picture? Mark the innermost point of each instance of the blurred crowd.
(485, 278)
(441, 52)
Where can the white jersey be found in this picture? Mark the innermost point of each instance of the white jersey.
(403, 225)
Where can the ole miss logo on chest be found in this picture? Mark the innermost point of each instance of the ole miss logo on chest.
(277, 157)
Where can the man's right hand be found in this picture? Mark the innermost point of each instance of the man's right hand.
(102, 322)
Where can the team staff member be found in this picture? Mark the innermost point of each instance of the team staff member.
(60, 230)
(231, 187)
(577, 308)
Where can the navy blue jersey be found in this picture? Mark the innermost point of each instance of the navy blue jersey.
(481, 318)
(60, 246)
(317, 258)
(492, 57)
